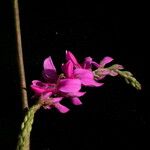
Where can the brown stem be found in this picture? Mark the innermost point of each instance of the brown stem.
(20, 56)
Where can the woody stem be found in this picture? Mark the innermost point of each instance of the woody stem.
(20, 55)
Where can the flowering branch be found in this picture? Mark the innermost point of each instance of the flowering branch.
(67, 85)
(75, 75)
(20, 56)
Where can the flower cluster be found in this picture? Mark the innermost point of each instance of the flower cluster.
(69, 83)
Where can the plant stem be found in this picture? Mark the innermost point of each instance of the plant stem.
(20, 56)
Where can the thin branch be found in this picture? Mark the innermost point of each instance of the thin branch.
(20, 56)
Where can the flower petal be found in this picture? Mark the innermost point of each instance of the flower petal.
(49, 70)
(68, 69)
(87, 63)
(83, 73)
(86, 77)
(46, 95)
(69, 85)
(105, 61)
(37, 90)
(70, 56)
(35, 82)
(61, 108)
(76, 101)
(95, 64)
(57, 99)
(48, 64)
(39, 87)
(76, 94)
(91, 83)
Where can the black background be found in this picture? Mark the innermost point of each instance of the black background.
(113, 116)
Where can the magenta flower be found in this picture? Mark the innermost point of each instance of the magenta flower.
(66, 84)
(41, 88)
(45, 90)
(69, 73)
(88, 63)
(56, 87)
(84, 74)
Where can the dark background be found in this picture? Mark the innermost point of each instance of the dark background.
(114, 116)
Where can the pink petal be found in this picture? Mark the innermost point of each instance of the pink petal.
(86, 77)
(83, 73)
(49, 70)
(91, 83)
(35, 82)
(61, 108)
(105, 61)
(70, 56)
(87, 63)
(42, 84)
(48, 64)
(95, 64)
(57, 99)
(39, 87)
(76, 101)
(76, 94)
(69, 85)
(37, 90)
(46, 95)
(68, 69)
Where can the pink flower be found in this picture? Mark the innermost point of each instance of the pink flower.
(55, 87)
(63, 85)
(69, 73)
(88, 63)
(41, 88)
(45, 90)
(83, 73)
(85, 77)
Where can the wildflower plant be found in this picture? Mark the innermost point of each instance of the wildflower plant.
(54, 88)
